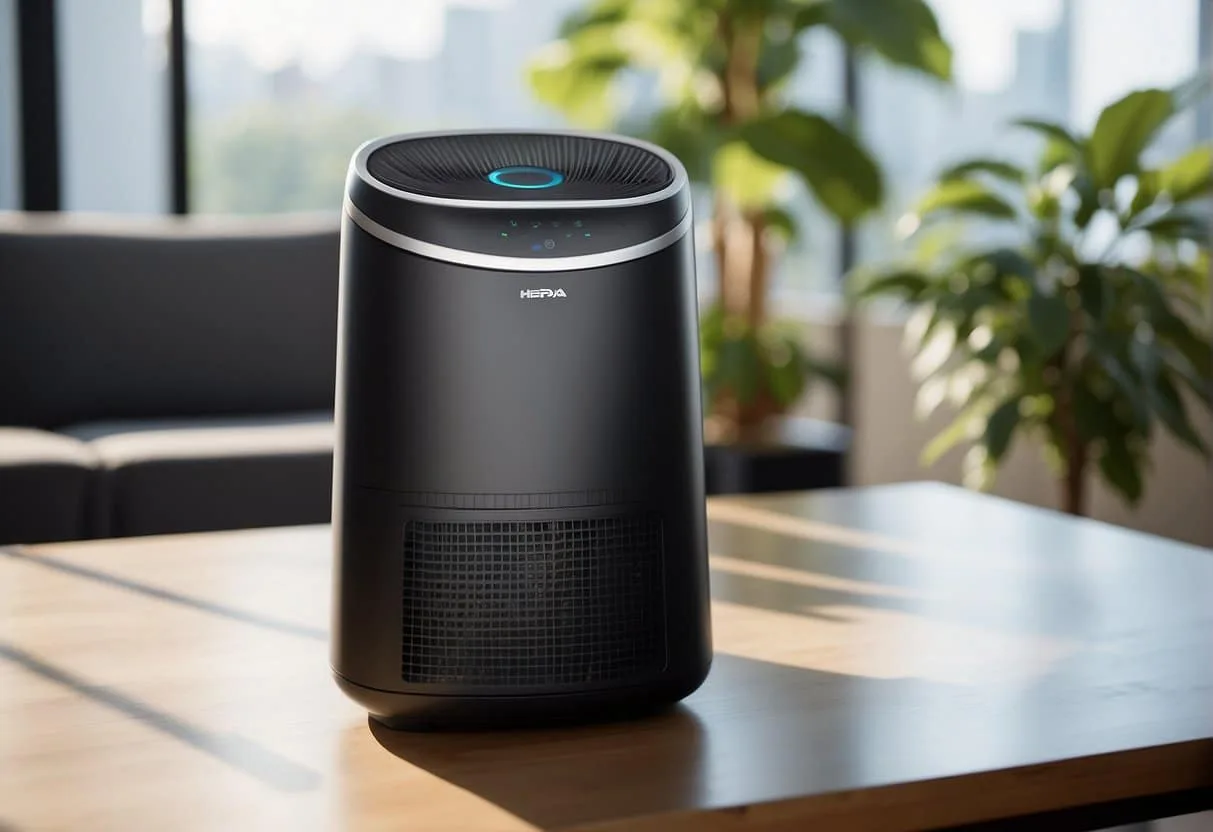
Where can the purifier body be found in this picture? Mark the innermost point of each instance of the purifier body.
(518, 489)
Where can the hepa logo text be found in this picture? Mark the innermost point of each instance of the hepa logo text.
(528, 294)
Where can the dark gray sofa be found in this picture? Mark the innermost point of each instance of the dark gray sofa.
(164, 375)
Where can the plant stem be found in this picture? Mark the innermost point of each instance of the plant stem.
(756, 223)
(1073, 484)
(745, 255)
(741, 72)
(739, 238)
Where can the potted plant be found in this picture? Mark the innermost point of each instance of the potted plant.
(1088, 329)
(719, 68)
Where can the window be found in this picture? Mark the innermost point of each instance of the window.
(278, 103)
(811, 264)
(278, 99)
(10, 188)
(1060, 60)
(113, 100)
(277, 107)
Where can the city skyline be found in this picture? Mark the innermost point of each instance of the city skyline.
(914, 126)
(320, 35)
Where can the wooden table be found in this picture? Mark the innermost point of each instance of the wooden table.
(890, 658)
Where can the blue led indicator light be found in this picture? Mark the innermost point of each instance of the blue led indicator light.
(586, 234)
(525, 177)
(536, 247)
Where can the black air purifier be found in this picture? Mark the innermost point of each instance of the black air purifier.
(519, 497)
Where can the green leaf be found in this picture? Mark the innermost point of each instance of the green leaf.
(776, 59)
(746, 178)
(1093, 416)
(835, 166)
(711, 327)
(1132, 389)
(782, 222)
(1049, 322)
(1178, 364)
(1146, 194)
(811, 13)
(1124, 129)
(711, 336)
(1193, 346)
(1088, 196)
(748, 11)
(1178, 225)
(1054, 132)
(964, 196)
(1146, 360)
(904, 32)
(1000, 427)
(1095, 291)
(960, 429)
(1169, 405)
(1056, 154)
(994, 167)
(1122, 470)
(740, 368)
(1190, 176)
(576, 76)
(831, 371)
(596, 14)
(1001, 263)
(687, 132)
(906, 283)
(1154, 298)
(786, 371)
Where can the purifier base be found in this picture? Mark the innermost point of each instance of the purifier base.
(412, 712)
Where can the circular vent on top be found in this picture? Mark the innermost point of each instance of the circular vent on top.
(519, 166)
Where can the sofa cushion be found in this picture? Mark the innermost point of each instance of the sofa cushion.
(144, 318)
(187, 475)
(45, 486)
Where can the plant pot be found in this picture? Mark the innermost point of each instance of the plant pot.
(787, 453)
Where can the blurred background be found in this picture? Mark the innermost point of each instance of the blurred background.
(253, 107)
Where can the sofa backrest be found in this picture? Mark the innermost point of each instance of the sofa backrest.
(107, 318)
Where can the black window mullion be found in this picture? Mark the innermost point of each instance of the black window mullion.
(38, 81)
(178, 134)
(847, 250)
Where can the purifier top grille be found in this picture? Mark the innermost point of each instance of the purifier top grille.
(519, 166)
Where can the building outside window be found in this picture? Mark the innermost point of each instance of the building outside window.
(1057, 60)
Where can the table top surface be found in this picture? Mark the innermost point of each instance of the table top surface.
(894, 657)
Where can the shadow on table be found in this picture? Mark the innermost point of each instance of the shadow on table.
(715, 750)
(241, 753)
(558, 777)
(815, 567)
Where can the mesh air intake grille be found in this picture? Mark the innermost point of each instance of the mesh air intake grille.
(458, 166)
(533, 603)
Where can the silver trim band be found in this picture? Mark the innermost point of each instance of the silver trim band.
(358, 165)
(517, 264)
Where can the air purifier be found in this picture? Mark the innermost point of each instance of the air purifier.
(518, 491)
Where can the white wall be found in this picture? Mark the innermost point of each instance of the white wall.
(1178, 500)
